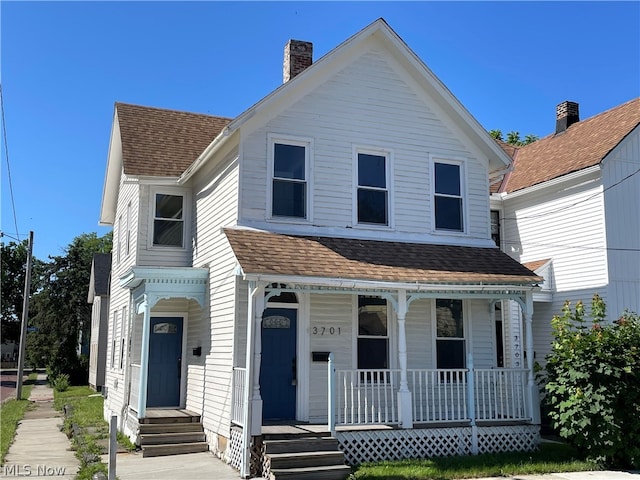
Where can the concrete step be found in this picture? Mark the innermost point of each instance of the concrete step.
(305, 459)
(173, 449)
(301, 444)
(171, 437)
(146, 428)
(337, 472)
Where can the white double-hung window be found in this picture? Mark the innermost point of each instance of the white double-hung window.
(372, 187)
(448, 195)
(169, 208)
(450, 336)
(289, 189)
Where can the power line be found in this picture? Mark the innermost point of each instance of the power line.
(544, 214)
(6, 152)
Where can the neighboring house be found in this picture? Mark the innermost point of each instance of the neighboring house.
(99, 298)
(570, 211)
(323, 262)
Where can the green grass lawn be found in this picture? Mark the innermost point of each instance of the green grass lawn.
(11, 412)
(548, 459)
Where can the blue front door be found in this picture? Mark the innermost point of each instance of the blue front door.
(165, 362)
(278, 365)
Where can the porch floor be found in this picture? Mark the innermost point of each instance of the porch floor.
(159, 413)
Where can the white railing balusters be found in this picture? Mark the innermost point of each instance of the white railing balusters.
(237, 406)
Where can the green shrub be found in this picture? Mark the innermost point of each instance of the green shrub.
(61, 382)
(593, 380)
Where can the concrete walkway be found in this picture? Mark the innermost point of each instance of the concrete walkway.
(40, 450)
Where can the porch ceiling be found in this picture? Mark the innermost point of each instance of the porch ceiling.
(272, 254)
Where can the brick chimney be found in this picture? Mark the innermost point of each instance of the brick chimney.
(566, 115)
(298, 55)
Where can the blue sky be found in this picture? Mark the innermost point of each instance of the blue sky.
(64, 64)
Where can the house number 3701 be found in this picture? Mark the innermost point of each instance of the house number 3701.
(326, 330)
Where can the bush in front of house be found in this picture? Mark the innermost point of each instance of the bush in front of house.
(593, 383)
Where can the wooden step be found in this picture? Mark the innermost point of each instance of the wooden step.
(171, 437)
(336, 472)
(171, 419)
(305, 459)
(173, 449)
(301, 444)
(146, 428)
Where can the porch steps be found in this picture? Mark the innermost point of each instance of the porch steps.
(304, 457)
(172, 435)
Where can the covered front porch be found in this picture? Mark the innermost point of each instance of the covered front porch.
(438, 386)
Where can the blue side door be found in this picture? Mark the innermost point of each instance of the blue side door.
(278, 365)
(165, 362)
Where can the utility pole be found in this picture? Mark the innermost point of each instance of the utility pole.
(25, 316)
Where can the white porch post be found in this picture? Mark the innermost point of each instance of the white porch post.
(144, 357)
(404, 395)
(533, 396)
(471, 402)
(256, 398)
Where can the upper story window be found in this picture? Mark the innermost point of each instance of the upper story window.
(289, 178)
(450, 340)
(372, 202)
(168, 219)
(448, 196)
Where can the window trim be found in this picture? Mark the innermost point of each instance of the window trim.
(462, 163)
(186, 215)
(466, 337)
(307, 143)
(389, 164)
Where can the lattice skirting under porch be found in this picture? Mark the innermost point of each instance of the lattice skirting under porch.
(376, 445)
(234, 452)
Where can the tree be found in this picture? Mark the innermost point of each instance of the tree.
(513, 138)
(60, 308)
(593, 374)
(14, 264)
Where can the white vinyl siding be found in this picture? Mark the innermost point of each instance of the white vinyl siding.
(369, 103)
(622, 209)
(215, 194)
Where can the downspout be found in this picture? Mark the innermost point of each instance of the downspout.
(127, 371)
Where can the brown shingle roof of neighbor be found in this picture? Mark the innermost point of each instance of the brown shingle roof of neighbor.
(269, 253)
(584, 144)
(159, 142)
(536, 264)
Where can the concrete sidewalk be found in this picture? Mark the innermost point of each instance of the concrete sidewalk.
(40, 450)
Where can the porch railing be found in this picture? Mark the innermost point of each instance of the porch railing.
(500, 394)
(438, 395)
(367, 397)
(134, 393)
(237, 407)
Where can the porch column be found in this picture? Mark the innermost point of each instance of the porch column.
(144, 357)
(256, 398)
(533, 396)
(404, 395)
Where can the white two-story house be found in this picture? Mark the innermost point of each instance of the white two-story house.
(570, 211)
(322, 263)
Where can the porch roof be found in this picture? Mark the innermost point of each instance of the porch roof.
(272, 254)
